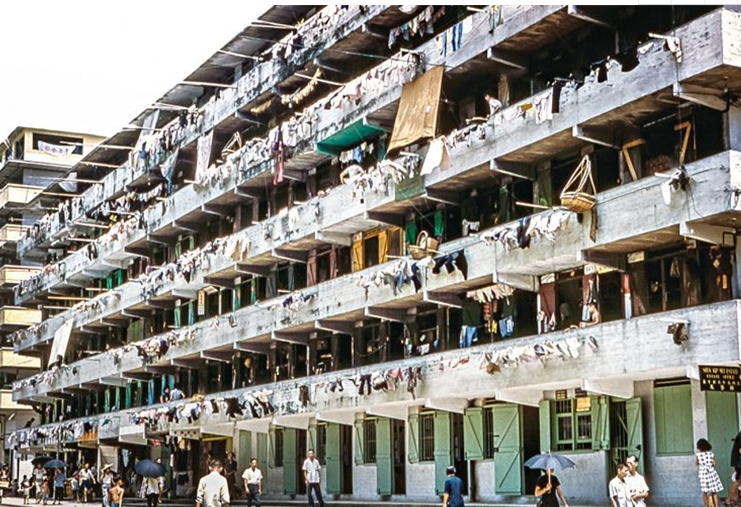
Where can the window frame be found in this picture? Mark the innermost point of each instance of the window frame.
(426, 423)
(369, 440)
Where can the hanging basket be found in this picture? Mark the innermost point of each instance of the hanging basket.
(574, 195)
(425, 246)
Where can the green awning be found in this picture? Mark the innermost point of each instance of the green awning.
(347, 138)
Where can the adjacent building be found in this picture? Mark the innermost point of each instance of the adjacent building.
(408, 237)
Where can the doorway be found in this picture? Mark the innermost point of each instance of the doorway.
(398, 438)
(722, 418)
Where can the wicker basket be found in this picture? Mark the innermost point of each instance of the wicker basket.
(573, 195)
(425, 246)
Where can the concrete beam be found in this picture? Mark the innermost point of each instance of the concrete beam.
(527, 397)
(515, 169)
(140, 251)
(226, 283)
(450, 299)
(115, 322)
(707, 97)
(295, 338)
(392, 314)
(253, 347)
(217, 209)
(179, 224)
(708, 233)
(300, 422)
(590, 17)
(344, 417)
(291, 255)
(252, 193)
(253, 269)
(613, 260)
(400, 412)
(294, 174)
(336, 326)
(224, 357)
(222, 430)
(159, 304)
(609, 387)
(185, 293)
(518, 281)
(385, 218)
(161, 241)
(591, 136)
(374, 33)
(133, 375)
(508, 58)
(455, 405)
(115, 381)
(136, 314)
(256, 425)
(333, 238)
(444, 196)
(160, 369)
(117, 264)
(181, 362)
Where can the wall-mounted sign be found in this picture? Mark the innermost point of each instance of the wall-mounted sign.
(720, 378)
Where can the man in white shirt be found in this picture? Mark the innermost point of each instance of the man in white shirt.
(619, 493)
(213, 490)
(636, 482)
(252, 477)
(311, 475)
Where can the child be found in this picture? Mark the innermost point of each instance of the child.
(116, 493)
(75, 485)
(45, 490)
(26, 487)
(710, 484)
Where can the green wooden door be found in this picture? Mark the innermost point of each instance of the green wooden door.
(262, 457)
(333, 458)
(634, 416)
(290, 453)
(473, 433)
(443, 450)
(507, 449)
(384, 457)
(722, 418)
(245, 449)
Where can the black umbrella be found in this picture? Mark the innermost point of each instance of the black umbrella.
(149, 468)
(55, 463)
(41, 460)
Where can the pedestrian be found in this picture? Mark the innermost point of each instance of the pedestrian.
(74, 484)
(547, 487)
(106, 483)
(59, 479)
(313, 479)
(165, 396)
(636, 482)
(213, 491)
(710, 484)
(26, 487)
(619, 492)
(494, 105)
(252, 477)
(736, 465)
(38, 479)
(453, 489)
(116, 494)
(4, 481)
(45, 490)
(230, 472)
(162, 483)
(152, 490)
(176, 394)
(86, 482)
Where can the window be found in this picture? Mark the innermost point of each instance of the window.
(673, 414)
(488, 432)
(573, 425)
(278, 451)
(426, 437)
(369, 437)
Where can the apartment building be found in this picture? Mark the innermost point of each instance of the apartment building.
(34, 173)
(347, 231)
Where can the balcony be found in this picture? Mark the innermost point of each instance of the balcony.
(7, 403)
(13, 195)
(13, 275)
(14, 317)
(10, 361)
(638, 349)
(10, 234)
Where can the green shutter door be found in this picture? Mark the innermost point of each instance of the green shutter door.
(107, 400)
(722, 419)
(236, 298)
(176, 317)
(271, 450)
(384, 458)
(634, 414)
(359, 441)
(413, 427)
(290, 451)
(191, 313)
(333, 459)
(544, 415)
(600, 422)
(508, 449)
(245, 449)
(262, 456)
(443, 450)
(473, 433)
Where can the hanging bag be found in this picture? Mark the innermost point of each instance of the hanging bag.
(574, 195)
(426, 245)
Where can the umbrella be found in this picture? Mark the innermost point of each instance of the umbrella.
(41, 460)
(547, 461)
(149, 468)
(55, 463)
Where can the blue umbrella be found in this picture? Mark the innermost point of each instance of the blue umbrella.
(549, 461)
(55, 463)
(149, 468)
(41, 459)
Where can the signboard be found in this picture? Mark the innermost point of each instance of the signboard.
(720, 378)
(583, 404)
(201, 302)
(561, 395)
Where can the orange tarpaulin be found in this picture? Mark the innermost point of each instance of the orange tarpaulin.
(418, 110)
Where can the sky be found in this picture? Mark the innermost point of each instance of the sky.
(92, 67)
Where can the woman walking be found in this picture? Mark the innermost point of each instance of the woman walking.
(710, 484)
